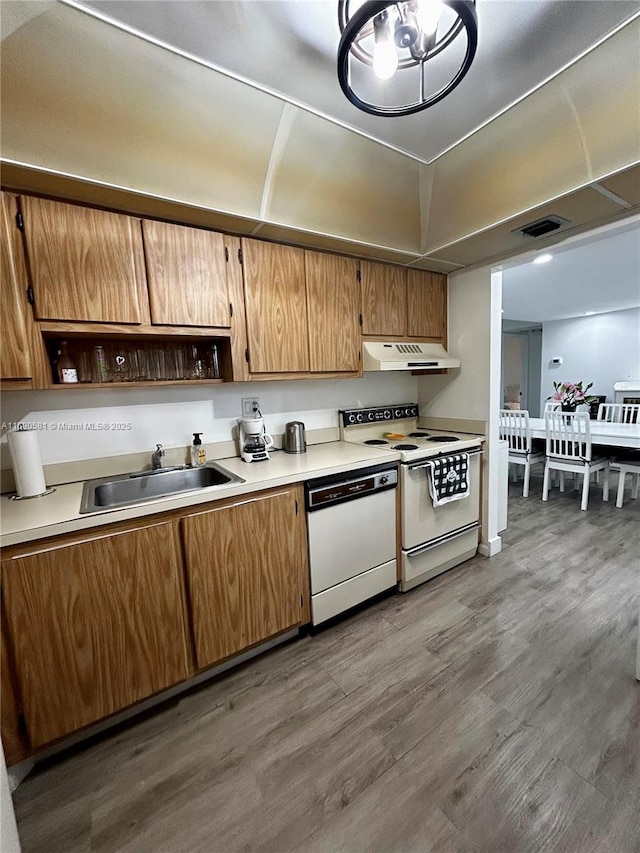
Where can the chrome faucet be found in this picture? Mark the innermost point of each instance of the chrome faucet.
(156, 457)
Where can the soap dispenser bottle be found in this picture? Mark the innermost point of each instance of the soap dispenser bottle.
(198, 453)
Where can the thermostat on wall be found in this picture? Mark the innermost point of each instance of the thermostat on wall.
(557, 359)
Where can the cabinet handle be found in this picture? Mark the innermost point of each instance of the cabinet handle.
(19, 221)
(231, 309)
(226, 254)
(240, 257)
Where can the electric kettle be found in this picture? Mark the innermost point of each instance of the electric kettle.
(294, 440)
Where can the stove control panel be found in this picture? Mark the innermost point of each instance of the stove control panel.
(376, 414)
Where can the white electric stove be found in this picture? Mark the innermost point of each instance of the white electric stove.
(434, 538)
(396, 428)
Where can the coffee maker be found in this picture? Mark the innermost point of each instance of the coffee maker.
(254, 439)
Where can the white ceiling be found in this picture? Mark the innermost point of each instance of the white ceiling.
(229, 113)
(290, 47)
(600, 274)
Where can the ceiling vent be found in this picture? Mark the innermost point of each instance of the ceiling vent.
(542, 226)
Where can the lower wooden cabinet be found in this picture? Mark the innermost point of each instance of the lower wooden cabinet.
(95, 625)
(246, 565)
(96, 621)
(13, 737)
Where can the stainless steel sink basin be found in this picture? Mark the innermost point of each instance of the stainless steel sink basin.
(127, 489)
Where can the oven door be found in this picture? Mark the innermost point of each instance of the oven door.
(421, 521)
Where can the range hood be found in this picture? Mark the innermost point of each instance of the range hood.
(381, 355)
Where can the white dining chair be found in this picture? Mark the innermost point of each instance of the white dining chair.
(622, 413)
(568, 449)
(627, 466)
(619, 413)
(551, 406)
(514, 428)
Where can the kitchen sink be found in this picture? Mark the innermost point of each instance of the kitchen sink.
(128, 489)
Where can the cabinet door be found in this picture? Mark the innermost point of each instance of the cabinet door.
(384, 299)
(333, 295)
(95, 626)
(13, 743)
(187, 275)
(85, 264)
(245, 566)
(16, 358)
(276, 306)
(427, 305)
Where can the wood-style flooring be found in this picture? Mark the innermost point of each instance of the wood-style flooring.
(493, 709)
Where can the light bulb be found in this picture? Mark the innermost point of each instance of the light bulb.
(428, 14)
(543, 259)
(385, 58)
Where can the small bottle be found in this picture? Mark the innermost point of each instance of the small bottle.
(65, 365)
(197, 451)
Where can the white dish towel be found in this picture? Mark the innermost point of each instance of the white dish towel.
(448, 478)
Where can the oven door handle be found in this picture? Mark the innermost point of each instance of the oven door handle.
(420, 549)
(471, 452)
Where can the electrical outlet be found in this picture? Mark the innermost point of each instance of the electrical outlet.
(250, 407)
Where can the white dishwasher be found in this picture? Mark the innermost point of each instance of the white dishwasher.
(352, 538)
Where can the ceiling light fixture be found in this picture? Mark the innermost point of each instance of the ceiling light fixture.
(406, 34)
(543, 259)
(589, 313)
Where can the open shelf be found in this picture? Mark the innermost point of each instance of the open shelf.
(108, 361)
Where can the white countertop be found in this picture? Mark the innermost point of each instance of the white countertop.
(59, 512)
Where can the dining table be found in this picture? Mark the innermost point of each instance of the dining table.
(602, 432)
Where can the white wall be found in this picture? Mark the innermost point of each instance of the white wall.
(602, 349)
(464, 392)
(169, 416)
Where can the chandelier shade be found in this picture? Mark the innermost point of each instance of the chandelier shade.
(393, 37)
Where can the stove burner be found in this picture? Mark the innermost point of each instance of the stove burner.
(443, 438)
(418, 435)
(376, 441)
(405, 446)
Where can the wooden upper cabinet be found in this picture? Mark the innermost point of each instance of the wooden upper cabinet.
(333, 298)
(186, 275)
(14, 339)
(384, 299)
(85, 264)
(247, 572)
(276, 307)
(95, 626)
(427, 305)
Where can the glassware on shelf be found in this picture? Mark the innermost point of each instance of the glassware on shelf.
(212, 362)
(197, 365)
(134, 361)
(120, 366)
(85, 365)
(100, 372)
(142, 364)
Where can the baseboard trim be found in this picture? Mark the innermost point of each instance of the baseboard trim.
(490, 548)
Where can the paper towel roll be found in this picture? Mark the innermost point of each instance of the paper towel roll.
(27, 464)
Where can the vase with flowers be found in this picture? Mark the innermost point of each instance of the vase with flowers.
(571, 394)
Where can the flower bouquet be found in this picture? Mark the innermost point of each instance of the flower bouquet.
(571, 394)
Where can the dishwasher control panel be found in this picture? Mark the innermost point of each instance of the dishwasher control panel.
(338, 488)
